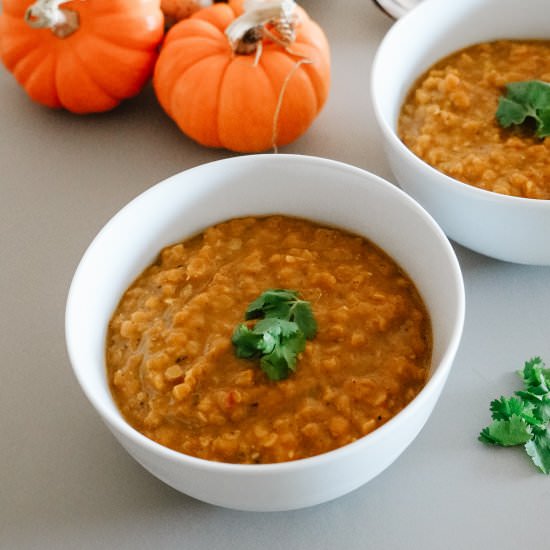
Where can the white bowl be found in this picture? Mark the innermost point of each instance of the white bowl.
(396, 8)
(322, 190)
(507, 228)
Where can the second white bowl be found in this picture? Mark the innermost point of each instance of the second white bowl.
(503, 227)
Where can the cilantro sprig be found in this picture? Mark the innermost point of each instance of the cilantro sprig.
(528, 99)
(285, 323)
(525, 418)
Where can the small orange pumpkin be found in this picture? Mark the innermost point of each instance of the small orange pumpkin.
(176, 10)
(246, 92)
(84, 56)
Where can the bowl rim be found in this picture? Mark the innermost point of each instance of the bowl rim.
(435, 383)
(414, 18)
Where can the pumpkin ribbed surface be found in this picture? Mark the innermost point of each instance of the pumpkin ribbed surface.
(223, 99)
(107, 59)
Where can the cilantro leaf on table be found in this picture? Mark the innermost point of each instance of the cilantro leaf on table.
(279, 336)
(505, 407)
(525, 418)
(538, 449)
(542, 409)
(507, 433)
(535, 376)
(526, 100)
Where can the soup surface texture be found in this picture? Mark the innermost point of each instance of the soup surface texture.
(173, 369)
(448, 119)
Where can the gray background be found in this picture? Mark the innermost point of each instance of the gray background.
(64, 480)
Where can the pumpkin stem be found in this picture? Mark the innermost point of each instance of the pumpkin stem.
(46, 14)
(273, 19)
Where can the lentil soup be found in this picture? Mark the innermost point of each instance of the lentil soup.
(173, 370)
(448, 118)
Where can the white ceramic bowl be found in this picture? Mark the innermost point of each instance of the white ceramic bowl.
(397, 8)
(322, 190)
(508, 228)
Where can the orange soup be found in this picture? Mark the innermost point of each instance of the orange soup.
(176, 378)
(448, 119)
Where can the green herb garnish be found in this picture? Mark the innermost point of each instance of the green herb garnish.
(529, 99)
(286, 322)
(525, 418)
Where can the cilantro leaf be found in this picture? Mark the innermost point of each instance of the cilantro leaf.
(302, 315)
(246, 341)
(528, 99)
(504, 408)
(274, 332)
(544, 123)
(291, 347)
(536, 377)
(538, 449)
(281, 361)
(283, 304)
(507, 433)
(284, 324)
(275, 365)
(276, 326)
(272, 303)
(509, 112)
(542, 409)
(524, 419)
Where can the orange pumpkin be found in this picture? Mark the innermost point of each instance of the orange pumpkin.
(176, 10)
(244, 95)
(84, 56)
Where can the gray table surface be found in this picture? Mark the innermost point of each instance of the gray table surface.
(64, 480)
